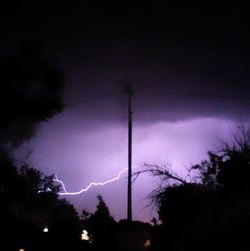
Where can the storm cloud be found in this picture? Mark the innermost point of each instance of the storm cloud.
(31, 92)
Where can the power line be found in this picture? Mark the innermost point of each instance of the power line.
(194, 94)
(94, 99)
(181, 94)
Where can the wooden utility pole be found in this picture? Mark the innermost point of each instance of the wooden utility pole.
(129, 91)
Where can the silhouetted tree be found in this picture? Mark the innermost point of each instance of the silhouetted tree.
(209, 210)
(101, 225)
(85, 216)
(65, 226)
(29, 203)
(102, 211)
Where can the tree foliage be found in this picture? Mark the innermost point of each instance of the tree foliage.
(29, 203)
(100, 224)
(209, 208)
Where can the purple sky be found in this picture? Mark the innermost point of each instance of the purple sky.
(82, 153)
(99, 46)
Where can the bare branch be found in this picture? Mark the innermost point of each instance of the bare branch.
(165, 173)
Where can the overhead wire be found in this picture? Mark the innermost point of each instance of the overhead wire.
(181, 94)
(194, 94)
(94, 98)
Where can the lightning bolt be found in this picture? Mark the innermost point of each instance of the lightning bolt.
(65, 192)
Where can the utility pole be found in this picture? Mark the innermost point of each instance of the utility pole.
(129, 91)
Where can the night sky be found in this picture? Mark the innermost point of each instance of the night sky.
(189, 67)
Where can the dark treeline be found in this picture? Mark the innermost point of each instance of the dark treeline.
(33, 217)
(29, 206)
(207, 210)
